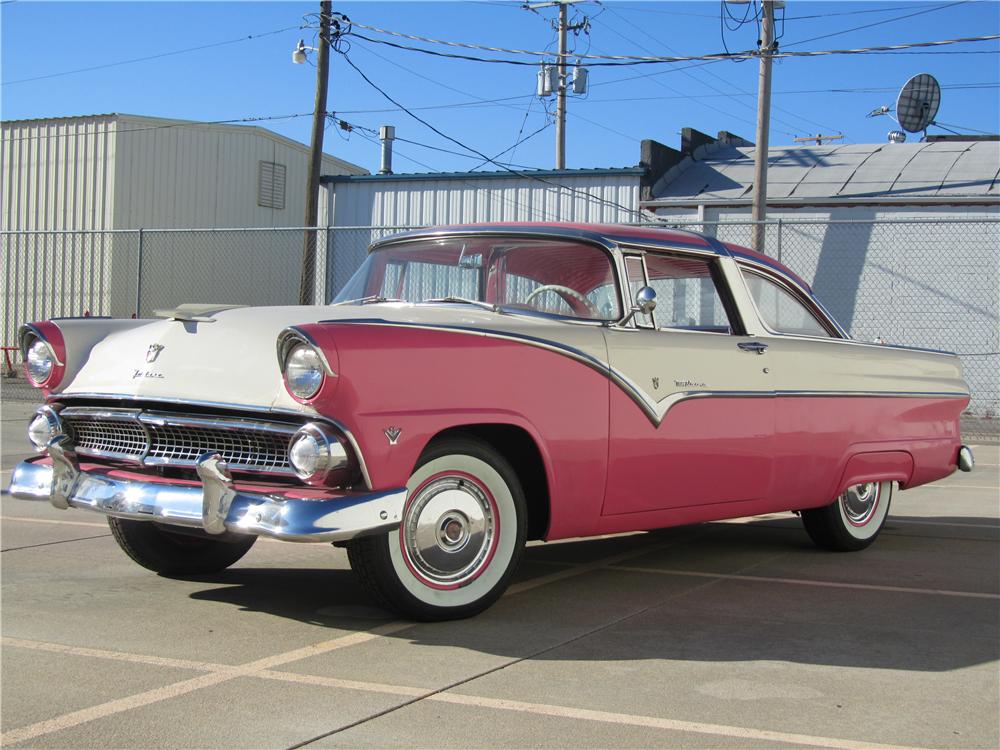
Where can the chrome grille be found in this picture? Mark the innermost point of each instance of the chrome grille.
(247, 448)
(158, 439)
(109, 437)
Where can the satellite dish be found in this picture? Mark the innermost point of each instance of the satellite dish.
(918, 103)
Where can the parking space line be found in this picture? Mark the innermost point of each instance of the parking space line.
(655, 722)
(806, 582)
(109, 708)
(173, 690)
(24, 519)
(956, 487)
(336, 682)
(99, 653)
(220, 673)
(994, 526)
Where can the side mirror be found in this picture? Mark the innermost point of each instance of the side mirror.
(645, 303)
(645, 300)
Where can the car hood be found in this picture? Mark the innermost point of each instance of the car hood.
(229, 356)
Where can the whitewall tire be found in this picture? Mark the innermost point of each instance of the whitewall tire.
(460, 540)
(853, 520)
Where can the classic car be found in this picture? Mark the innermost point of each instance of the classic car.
(475, 387)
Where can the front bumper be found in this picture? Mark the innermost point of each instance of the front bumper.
(215, 506)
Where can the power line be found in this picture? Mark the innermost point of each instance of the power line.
(151, 57)
(588, 196)
(690, 75)
(626, 60)
(878, 23)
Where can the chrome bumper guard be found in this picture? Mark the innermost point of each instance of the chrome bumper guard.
(216, 506)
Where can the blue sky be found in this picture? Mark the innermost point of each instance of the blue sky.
(255, 77)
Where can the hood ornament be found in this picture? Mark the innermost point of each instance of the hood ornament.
(153, 352)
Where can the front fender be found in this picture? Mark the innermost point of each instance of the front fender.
(400, 386)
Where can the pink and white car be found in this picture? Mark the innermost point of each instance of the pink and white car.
(476, 387)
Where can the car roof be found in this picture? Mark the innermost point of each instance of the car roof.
(605, 234)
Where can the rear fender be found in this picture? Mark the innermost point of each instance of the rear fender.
(883, 466)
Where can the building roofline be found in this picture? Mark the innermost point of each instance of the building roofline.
(818, 201)
(175, 122)
(529, 173)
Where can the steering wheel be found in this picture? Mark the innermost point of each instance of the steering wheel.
(570, 295)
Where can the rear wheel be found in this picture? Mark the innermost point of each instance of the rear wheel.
(853, 520)
(175, 553)
(460, 540)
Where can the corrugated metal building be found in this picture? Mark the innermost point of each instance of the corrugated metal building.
(118, 171)
(417, 200)
(72, 188)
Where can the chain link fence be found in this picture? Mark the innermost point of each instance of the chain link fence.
(917, 282)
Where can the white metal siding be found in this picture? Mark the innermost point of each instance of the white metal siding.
(188, 175)
(414, 202)
(404, 203)
(58, 174)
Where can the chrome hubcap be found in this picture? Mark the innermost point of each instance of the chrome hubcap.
(448, 531)
(859, 502)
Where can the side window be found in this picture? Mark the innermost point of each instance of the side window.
(686, 295)
(636, 281)
(780, 309)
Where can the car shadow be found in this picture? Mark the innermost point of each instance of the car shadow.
(922, 598)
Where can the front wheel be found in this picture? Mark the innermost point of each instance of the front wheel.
(853, 520)
(177, 553)
(460, 540)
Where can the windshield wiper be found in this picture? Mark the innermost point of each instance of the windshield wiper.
(466, 301)
(370, 300)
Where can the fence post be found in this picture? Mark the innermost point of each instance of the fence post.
(779, 240)
(138, 273)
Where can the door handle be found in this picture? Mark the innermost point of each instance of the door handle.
(752, 346)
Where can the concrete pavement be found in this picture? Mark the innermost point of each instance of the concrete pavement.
(736, 634)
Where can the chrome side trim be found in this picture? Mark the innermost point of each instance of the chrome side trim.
(337, 518)
(655, 410)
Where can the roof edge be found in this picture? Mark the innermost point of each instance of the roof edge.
(529, 173)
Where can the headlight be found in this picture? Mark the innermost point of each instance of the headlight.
(39, 362)
(44, 426)
(303, 372)
(317, 455)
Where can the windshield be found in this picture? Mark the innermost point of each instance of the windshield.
(552, 276)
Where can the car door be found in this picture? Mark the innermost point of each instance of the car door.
(692, 408)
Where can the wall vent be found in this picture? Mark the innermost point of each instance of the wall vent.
(271, 185)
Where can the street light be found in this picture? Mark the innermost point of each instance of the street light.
(299, 53)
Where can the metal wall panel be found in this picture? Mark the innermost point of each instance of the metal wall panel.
(189, 175)
(415, 202)
(462, 200)
(58, 174)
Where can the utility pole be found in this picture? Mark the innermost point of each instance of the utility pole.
(561, 93)
(563, 27)
(306, 280)
(763, 124)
